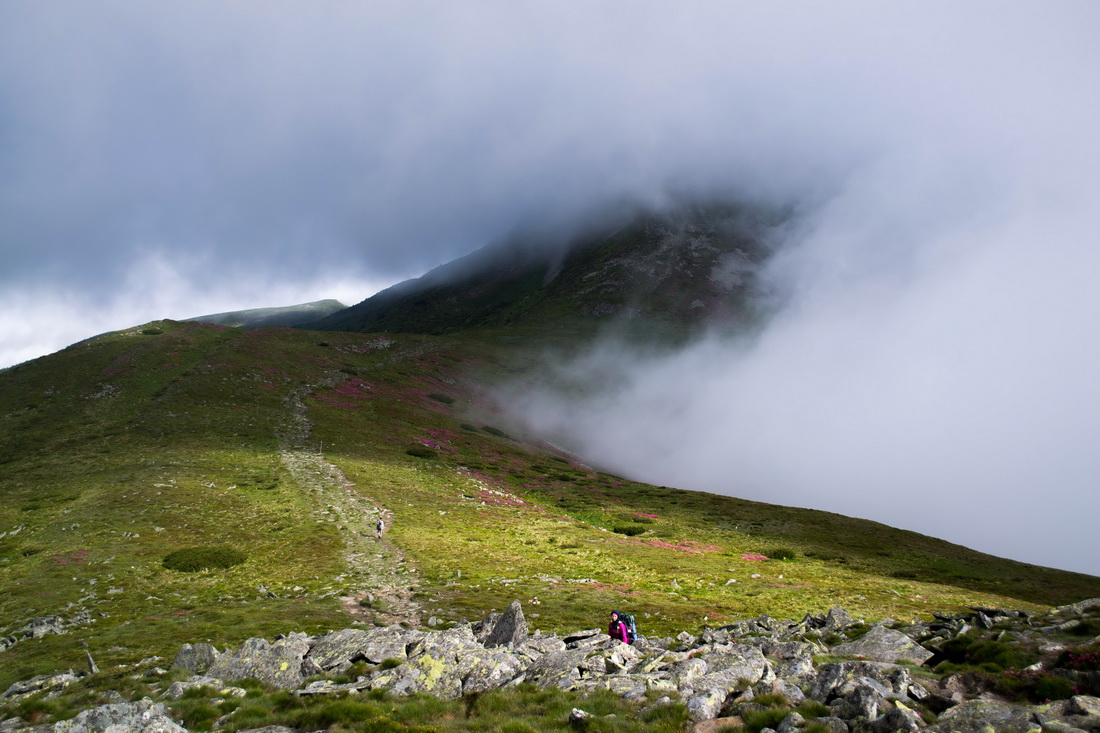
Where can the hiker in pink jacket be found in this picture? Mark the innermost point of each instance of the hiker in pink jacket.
(617, 629)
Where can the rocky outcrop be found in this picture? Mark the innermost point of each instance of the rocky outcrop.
(720, 673)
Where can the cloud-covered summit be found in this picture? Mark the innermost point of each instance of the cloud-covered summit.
(191, 157)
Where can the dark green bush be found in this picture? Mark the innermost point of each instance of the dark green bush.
(495, 431)
(151, 331)
(193, 559)
(993, 656)
(781, 553)
(1088, 627)
(419, 451)
(630, 530)
(440, 397)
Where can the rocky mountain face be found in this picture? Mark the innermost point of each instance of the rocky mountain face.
(829, 670)
(676, 268)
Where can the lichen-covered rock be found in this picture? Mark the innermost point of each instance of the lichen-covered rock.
(556, 669)
(197, 658)
(790, 692)
(539, 645)
(488, 669)
(337, 651)
(178, 689)
(884, 645)
(833, 676)
(729, 664)
(897, 719)
(509, 630)
(685, 673)
(41, 683)
(278, 663)
(143, 716)
(982, 716)
(707, 703)
(836, 619)
(1083, 705)
(435, 659)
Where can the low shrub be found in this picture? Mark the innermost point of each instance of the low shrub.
(1088, 627)
(193, 559)
(440, 397)
(420, 451)
(630, 530)
(495, 431)
(989, 655)
(1033, 686)
(781, 553)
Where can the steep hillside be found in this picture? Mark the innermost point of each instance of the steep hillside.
(670, 271)
(286, 446)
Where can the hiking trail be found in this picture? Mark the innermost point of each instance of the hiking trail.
(379, 582)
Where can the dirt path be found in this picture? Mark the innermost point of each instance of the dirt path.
(379, 582)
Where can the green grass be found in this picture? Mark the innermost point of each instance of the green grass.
(123, 449)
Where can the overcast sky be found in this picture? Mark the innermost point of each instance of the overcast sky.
(173, 159)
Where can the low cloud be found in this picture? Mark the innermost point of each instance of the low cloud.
(932, 366)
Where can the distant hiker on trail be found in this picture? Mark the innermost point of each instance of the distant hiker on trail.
(379, 528)
(617, 629)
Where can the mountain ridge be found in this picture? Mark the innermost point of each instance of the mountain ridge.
(675, 270)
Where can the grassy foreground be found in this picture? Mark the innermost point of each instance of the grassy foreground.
(120, 450)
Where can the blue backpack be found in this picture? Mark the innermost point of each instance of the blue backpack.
(631, 627)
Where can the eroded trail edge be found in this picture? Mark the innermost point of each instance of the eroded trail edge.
(379, 582)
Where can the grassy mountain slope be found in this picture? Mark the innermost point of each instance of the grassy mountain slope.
(121, 449)
(291, 315)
